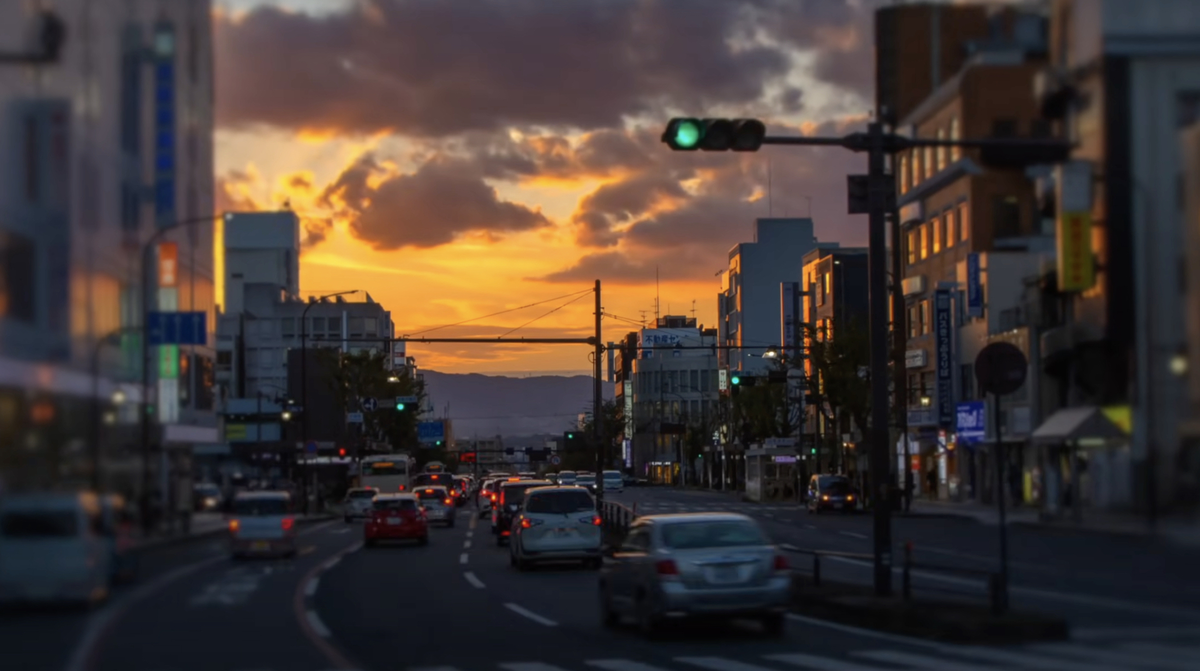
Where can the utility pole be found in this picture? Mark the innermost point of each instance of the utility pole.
(880, 186)
(598, 403)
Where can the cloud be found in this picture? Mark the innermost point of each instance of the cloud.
(435, 69)
(432, 206)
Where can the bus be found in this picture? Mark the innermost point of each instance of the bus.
(389, 473)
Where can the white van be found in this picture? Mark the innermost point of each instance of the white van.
(53, 549)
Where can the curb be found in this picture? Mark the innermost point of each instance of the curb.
(171, 541)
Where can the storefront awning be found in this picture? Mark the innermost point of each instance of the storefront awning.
(1072, 424)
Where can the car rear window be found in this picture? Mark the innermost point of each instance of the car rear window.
(430, 494)
(362, 493)
(432, 479)
(47, 524)
(260, 507)
(560, 503)
(722, 534)
(515, 494)
(396, 504)
(836, 486)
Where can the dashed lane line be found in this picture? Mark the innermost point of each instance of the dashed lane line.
(474, 580)
(463, 558)
(525, 612)
(317, 625)
(311, 588)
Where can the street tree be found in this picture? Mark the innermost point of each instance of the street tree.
(365, 374)
(840, 358)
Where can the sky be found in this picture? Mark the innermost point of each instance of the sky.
(457, 160)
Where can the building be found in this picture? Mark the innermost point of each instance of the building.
(675, 397)
(1121, 83)
(957, 205)
(748, 307)
(1188, 364)
(88, 181)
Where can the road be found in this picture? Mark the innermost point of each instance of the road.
(457, 605)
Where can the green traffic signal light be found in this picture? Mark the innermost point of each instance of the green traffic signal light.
(400, 407)
(684, 134)
(736, 380)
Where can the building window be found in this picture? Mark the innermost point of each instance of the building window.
(287, 327)
(913, 325)
(941, 151)
(912, 246)
(955, 152)
(916, 167)
(903, 170)
(924, 233)
(928, 161)
(966, 382)
(923, 316)
(1006, 216)
(1004, 128)
(964, 222)
(935, 225)
(950, 218)
(18, 277)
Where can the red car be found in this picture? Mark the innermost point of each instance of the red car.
(396, 517)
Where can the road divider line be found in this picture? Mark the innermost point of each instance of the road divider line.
(470, 532)
(467, 544)
(317, 625)
(311, 588)
(525, 612)
(474, 580)
(463, 558)
(853, 534)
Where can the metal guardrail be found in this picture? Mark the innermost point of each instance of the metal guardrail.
(991, 580)
(617, 517)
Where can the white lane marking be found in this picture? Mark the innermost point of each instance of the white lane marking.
(470, 532)
(720, 664)
(1107, 655)
(1105, 634)
(852, 534)
(620, 665)
(474, 580)
(311, 588)
(317, 625)
(467, 545)
(530, 666)
(810, 526)
(531, 615)
(1096, 601)
(98, 624)
(923, 662)
(1028, 661)
(462, 558)
(819, 663)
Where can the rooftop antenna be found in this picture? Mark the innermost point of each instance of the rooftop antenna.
(809, 199)
(657, 295)
(770, 202)
(693, 308)
(643, 317)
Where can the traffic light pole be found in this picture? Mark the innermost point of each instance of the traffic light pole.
(690, 134)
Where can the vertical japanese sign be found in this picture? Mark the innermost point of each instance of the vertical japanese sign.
(1076, 265)
(944, 340)
(168, 265)
(168, 355)
(164, 124)
(974, 286)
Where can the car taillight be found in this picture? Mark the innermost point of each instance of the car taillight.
(449, 501)
(527, 523)
(666, 567)
(234, 525)
(849, 497)
(781, 563)
(288, 523)
(594, 520)
(401, 487)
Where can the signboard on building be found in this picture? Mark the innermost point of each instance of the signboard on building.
(974, 286)
(168, 265)
(944, 340)
(971, 424)
(628, 408)
(668, 338)
(1076, 270)
(164, 124)
(723, 379)
(431, 432)
(916, 358)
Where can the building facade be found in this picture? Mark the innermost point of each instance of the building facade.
(106, 147)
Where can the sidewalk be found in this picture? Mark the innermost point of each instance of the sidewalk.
(1175, 529)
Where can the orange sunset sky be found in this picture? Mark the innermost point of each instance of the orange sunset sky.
(459, 159)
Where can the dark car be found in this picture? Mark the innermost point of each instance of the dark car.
(508, 505)
(830, 492)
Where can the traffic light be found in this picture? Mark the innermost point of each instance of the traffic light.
(400, 406)
(341, 451)
(440, 443)
(573, 440)
(689, 134)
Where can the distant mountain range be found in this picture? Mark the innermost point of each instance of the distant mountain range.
(489, 405)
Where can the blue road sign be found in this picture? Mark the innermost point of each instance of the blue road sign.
(430, 432)
(972, 422)
(369, 404)
(178, 328)
(974, 287)
(311, 447)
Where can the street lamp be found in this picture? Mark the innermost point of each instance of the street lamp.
(146, 299)
(304, 389)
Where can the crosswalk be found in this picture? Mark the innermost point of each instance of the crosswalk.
(1132, 656)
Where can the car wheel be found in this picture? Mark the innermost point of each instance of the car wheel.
(609, 617)
(774, 625)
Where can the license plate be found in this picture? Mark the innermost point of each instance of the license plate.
(564, 532)
(837, 506)
(393, 520)
(260, 545)
(725, 574)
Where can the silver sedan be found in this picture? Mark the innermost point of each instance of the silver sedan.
(696, 565)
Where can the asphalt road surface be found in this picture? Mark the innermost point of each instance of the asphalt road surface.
(457, 605)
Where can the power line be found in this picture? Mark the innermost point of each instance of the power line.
(494, 314)
(624, 319)
(542, 316)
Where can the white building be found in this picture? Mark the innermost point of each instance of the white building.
(103, 148)
(748, 305)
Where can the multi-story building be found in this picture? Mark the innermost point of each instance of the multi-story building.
(748, 307)
(675, 395)
(1122, 82)
(955, 208)
(106, 147)
(1187, 364)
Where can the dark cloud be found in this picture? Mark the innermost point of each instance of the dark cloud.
(839, 32)
(427, 208)
(439, 68)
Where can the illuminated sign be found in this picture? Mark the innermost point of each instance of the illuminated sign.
(168, 264)
(1076, 267)
(164, 124)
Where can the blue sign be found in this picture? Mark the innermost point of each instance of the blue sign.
(177, 328)
(431, 432)
(311, 447)
(164, 125)
(944, 340)
(972, 422)
(974, 287)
